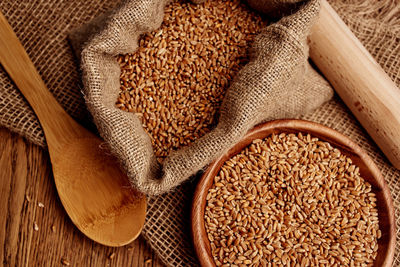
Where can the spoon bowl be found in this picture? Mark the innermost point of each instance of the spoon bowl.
(95, 193)
(100, 201)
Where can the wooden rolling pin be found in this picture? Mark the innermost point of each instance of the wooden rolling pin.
(358, 79)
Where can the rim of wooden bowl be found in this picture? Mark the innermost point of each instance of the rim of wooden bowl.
(369, 171)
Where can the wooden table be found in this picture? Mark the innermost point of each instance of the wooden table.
(34, 228)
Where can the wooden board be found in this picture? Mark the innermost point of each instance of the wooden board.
(25, 173)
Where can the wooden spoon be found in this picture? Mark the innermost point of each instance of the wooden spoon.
(368, 170)
(94, 191)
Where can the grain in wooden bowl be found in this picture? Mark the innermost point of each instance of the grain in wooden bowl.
(293, 192)
(176, 80)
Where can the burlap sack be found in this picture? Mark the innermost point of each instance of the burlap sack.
(270, 86)
(277, 83)
(376, 23)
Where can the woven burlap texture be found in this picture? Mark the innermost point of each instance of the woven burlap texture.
(277, 83)
(47, 46)
(375, 23)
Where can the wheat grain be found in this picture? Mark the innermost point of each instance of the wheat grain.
(309, 206)
(178, 76)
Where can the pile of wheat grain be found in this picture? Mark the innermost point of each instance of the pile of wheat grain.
(291, 199)
(177, 78)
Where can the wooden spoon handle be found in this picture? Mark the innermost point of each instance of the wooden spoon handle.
(358, 79)
(17, 63)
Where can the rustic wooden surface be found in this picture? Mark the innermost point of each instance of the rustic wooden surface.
(25, 181)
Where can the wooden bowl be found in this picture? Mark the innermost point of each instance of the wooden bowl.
(368, 170)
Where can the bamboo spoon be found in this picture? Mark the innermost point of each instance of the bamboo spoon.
(94, 191)
(361, 83)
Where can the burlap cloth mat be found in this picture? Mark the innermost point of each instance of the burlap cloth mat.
(376, 24)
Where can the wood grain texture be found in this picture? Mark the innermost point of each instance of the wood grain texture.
(368, 170)
(25, 170)
(361, 83)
